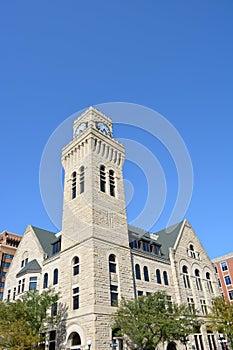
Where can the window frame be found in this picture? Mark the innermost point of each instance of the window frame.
(76, 266)
(137, 272)
(55, 276)
(74, 185)
(75, 298)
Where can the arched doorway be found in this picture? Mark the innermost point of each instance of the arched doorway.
(171, 346)
(74, 341)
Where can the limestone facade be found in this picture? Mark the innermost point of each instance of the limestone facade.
(98, 258)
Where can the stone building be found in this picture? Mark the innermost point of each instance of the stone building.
(224, 270)
(8, 245)
(98, 258)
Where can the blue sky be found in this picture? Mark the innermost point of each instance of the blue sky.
(174, 57)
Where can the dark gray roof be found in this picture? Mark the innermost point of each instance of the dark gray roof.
(166, 238)
(32, 266)
(46, 239)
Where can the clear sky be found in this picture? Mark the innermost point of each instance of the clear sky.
(175, 57)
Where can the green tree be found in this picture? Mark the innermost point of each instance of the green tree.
(24, 322)
(221, 317)
(149, 320)
(15, 332)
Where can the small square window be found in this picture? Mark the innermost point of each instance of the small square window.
(227, 280)
(230, 294)
(224, 266)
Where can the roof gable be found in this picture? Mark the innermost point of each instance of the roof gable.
(32, 266)
(46, 239)
(165, 238)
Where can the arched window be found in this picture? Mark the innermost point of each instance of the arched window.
(137, 272)
(191, 251)
(146, 274)
(74, 188)
(209, 283)
(158, 276)
(102, 179)
(198, 279)
(45, 284)
(81, 179)
(75, 266)
(185, 277)
(55, 276)
(165, 278)
(112, 183)
(112, 263)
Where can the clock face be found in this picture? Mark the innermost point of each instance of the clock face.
(80, 128)
(103, 127)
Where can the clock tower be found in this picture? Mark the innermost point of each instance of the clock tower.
(95, 258)
(94, 203)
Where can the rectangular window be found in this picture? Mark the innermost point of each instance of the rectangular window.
(23, 284)
(224, 266)
(112, 267)
(14, 293)
(114, 295)
(76, 298)
(210, 288)
(211, 341)
(5, 264)
(157, 249)
(198, 342)
(8, 256)
(140, 293)
(32, 283)
(8, 295)
(203, 306)
(146, 246)
(54, 310)
(169, 302)
(19, 287)
(198, 283)
(191, 304)
(57, 247)
(230, 294)
(1, 284)
(1, 295)
(227, 280)
(219, 283)
(52, 340)
(133, 244)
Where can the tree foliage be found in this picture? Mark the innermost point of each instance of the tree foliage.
(221, 317)
(150, 320)
(23, 322)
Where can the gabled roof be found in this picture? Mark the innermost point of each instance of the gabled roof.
(46, 239)
(166, 238)
(32, 266)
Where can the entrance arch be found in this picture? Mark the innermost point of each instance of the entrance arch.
(74, 341)
(171, 346)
